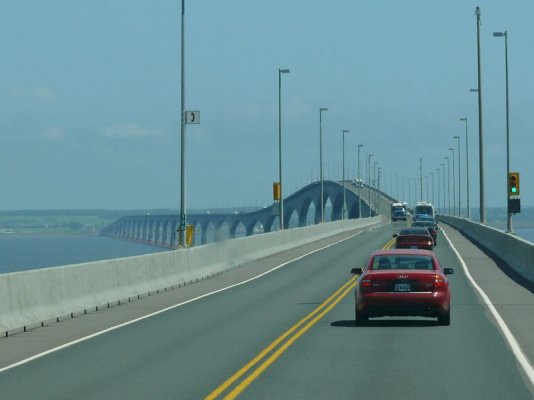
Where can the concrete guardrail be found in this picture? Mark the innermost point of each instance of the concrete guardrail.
(516, 252)
(34, 298)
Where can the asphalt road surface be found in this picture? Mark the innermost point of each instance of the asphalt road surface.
(289, 334)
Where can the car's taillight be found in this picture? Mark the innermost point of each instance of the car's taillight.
(439, 282)
(366, 284)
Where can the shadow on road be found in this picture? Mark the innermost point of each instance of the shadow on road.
(383, 323)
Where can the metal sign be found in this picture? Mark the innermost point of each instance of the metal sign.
(192, 117)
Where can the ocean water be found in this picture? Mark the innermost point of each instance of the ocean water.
(19, 253)
(525, 233)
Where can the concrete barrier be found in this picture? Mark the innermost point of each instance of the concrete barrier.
(516, 252)
(33, 298)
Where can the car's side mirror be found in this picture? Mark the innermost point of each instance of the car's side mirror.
(448, 271)
(356, 271)
(395, 235)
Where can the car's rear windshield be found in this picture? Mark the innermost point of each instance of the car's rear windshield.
(423, 223)
(413, 231)
(404, 261)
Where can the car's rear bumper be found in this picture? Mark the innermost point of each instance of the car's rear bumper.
(428, 304)
(413, 246)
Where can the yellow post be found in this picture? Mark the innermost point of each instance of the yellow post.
(189, 235)
(277, 192)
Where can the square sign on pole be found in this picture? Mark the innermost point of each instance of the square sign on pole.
(192, 117)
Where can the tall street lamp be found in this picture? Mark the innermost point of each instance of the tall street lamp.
(459, 179)
(426, 181)
(453, 184)
(321, 158)
(444, 191)
(281, 216)
(343, 175)
(480, 131)
(448, 183)
(374, 185)
(432, 179)
(467, 166)
(369, 181)
(359, 183)
(505, 34)
(421, 178)
(439, 194)
(181, 228)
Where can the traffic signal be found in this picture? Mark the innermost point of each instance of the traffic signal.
(513, 184)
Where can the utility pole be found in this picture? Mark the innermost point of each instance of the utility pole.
(480, 130)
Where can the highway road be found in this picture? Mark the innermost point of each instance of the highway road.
(288, 334)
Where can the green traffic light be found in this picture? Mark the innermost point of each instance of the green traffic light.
(514, 190)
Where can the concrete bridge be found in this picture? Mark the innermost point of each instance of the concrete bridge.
(302, 208)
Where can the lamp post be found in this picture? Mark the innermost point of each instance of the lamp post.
(453, 184)
(421, 178)
(343, 175)
(432, 179)
(426, 181)
(409, 191)
(444, 191)
(369, 181)
(374, 185)
(359, 183)
(459, 178)
(281, 216)
(467, 166)
(448, 183)
(378, 175)
(439, 194)
(181, 228)
(505, 34)
(321, 158)
(480, 131)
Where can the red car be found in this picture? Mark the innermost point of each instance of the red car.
(414, 238)
(400, 282)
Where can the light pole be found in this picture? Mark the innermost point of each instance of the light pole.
(281, 216)
(421, 177)
(459, 179)
(448, 183)
(321, 158)
(480, 131)
(359, 183)
(409, 191)
(374, 185)
(379, 174)
(343, 175)
(505, 34)
(426, 179)
(439, 193)
(432, 180)
(467, 166)
(444, 191)
(453, 184)
(369, 181)
(403, 196)
(181, 228)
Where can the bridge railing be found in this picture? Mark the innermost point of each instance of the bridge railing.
(32, 298)
(516, 252)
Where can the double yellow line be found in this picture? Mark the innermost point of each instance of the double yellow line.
(272, 352)
(389, 244)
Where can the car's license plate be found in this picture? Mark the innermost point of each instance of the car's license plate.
(402, 287)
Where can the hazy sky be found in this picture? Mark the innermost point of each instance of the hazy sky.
(90, 97)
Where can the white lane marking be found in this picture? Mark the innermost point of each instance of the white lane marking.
(516, 349)
(83, 339)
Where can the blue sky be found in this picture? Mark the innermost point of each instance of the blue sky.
(90, 97)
